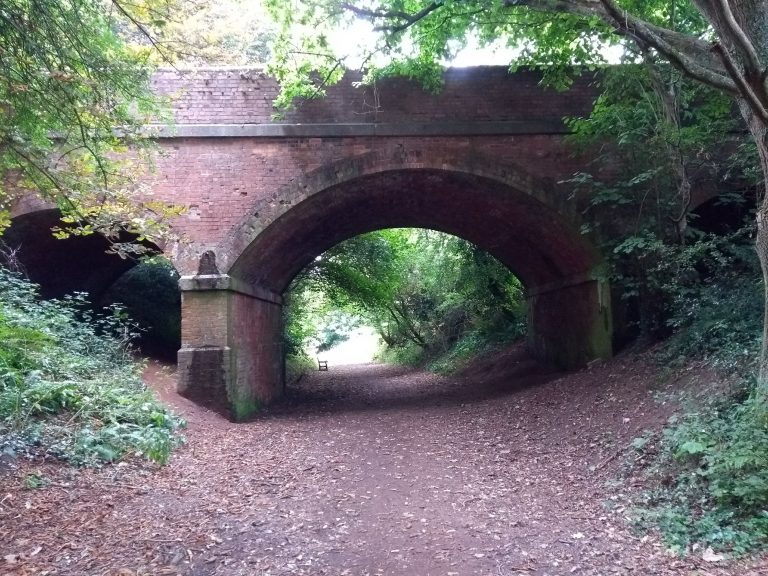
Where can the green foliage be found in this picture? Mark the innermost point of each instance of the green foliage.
(68, 84)
(705, 297)
(661, 130)
(700, 289)
(305, 61)
(717, 314)
(469, 346)
(69, 387)
(717, 489)
(407, 354)
(296, 365)
(335, 329)
(226, 32)
(426, 293)
(149, 293)
(34, 481)
(416, 38)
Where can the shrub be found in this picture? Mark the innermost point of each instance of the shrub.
(296, 365)
(718, 316)
(69, 385)
(149, 293)
(714, 487)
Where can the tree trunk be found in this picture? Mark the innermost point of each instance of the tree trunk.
(760, 134)
(744, 37)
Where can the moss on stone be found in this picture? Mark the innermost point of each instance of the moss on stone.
(242, 409)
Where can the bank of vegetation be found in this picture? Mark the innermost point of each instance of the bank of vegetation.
(70, 385)
(690, 284)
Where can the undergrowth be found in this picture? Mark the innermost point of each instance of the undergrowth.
(710, 468)
(69, 386)
(408, 354)
(469, 346)
(296, 365)
(712, 478)
(473, 345)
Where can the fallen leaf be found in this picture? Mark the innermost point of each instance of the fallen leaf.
(11, 558)
(709, 556)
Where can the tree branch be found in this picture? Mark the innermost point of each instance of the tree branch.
(408, 19)
(689, 54)
(745, 89)
(751, 59)
(144, 31)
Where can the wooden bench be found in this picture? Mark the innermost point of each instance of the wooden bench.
(322, 365)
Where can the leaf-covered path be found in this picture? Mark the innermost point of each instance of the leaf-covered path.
(367, 469)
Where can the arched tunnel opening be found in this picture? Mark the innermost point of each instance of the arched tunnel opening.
(408, 296)
(725, 213)
(231, 352)
(146, 290)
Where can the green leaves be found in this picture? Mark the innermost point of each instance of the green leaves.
(417, 39)
(718, 495)
(69, 386)
(68, 82)
(418, 288)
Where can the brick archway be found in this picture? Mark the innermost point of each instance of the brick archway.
(61, 267)
(231, 310)
(394, 158)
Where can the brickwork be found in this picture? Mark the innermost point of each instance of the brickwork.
(231, 354)
(234, 96)
(266, 205)
(484, 159)
(205, 319)
(221, 181)
(256, 334)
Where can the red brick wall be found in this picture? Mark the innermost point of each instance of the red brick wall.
(490, 93)
(222, 181)
(256, 333)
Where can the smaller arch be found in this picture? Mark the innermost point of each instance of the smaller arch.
(60, 267)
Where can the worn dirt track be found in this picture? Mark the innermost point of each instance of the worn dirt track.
(505, 470)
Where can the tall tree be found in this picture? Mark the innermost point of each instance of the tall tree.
(720, 43)
(73, 96)
(222, 33)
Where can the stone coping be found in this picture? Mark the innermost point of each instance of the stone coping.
(225, 282)
(344, 130)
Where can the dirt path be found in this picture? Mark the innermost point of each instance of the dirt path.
(368, 470)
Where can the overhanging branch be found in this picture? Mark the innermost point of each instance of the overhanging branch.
(690, 54)
(745, 89)
(407, 19)
(751, 59)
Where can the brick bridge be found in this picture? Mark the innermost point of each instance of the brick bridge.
(482, 160)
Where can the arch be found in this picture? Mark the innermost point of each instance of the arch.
(60, 267)
(231, 320)
(344, 182)
(534, 241)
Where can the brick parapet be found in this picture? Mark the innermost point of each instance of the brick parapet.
(490, 93)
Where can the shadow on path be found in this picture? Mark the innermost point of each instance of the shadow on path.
(381, 387)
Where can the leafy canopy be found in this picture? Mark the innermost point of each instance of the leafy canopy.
(74, 96)
(419, 289)
(416, 38)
